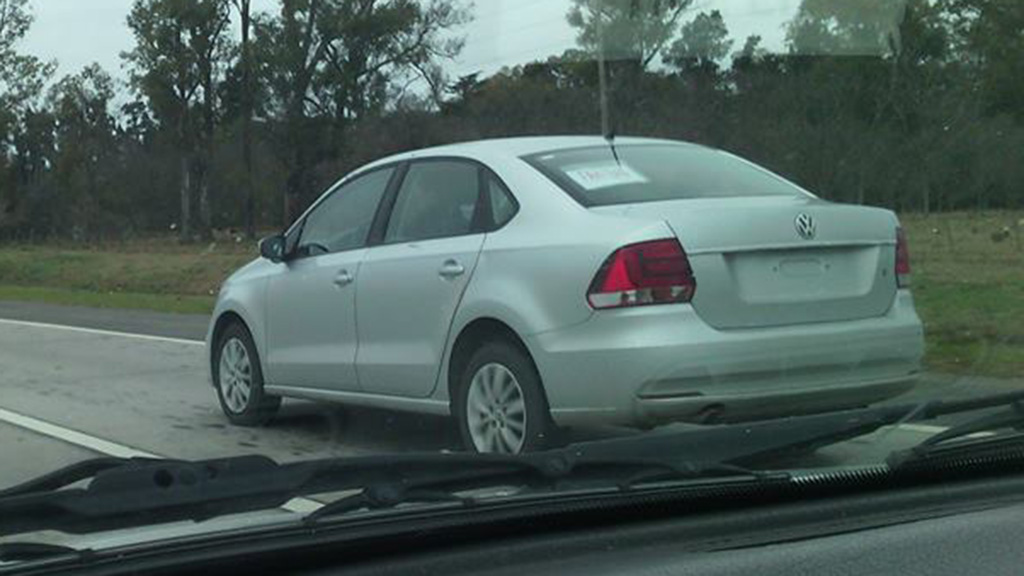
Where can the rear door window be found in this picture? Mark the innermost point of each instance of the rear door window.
(438, 199)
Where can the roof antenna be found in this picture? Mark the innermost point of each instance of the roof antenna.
(606, 128)
(610, 138)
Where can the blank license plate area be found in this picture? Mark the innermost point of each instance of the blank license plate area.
(806, 275)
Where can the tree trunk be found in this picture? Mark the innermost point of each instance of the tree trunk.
(185, 226)
(250, 194)
(297, 173)
(294, 187)
(205, 145)
(186, 200)
(247, 111)
(205, 213)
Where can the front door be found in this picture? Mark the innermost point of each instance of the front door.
(410, 286)
(310, 302)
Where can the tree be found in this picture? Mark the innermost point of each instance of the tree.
(212, 50)
(244, 9)
(990, 35)
(631, 30)
(846, 27)
(22, 79)
(624, 37)
(371, 46)
(342, 60)
(703, 43)
(86, 149)
(463, 90)
(179, 44)
(294, 50)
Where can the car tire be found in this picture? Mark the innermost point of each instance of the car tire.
(500, 406)
(238, 379)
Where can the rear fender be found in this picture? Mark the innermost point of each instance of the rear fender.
(539, 288)
(466, 315)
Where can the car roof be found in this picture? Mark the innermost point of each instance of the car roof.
(521, 146)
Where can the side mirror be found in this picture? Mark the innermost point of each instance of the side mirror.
(272, 248)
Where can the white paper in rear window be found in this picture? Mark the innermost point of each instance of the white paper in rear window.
(604, 175)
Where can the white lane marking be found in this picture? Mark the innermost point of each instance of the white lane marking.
(108, 448)
(73, 437)
(98, 332)
(296, 505)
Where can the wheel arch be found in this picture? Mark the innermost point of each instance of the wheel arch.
(225, 319)
(474, 335)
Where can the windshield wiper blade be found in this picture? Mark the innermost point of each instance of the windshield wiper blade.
(29, 551)
(134, 493)
(72, 474)
(137, 493)
(550, 471)
(1009, 418)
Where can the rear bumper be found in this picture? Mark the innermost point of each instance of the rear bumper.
(650, 366)
(758, 405)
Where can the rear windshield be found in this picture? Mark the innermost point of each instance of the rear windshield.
(654, 173)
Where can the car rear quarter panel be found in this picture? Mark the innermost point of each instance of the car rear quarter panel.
(533, 274)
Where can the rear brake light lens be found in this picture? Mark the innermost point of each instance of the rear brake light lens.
(642, 275)
(902, 259)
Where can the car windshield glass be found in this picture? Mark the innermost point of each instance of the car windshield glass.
(351, 253)
(628, 174)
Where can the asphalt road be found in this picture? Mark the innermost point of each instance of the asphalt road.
(150, 395)
(82, 382)
(184, 326)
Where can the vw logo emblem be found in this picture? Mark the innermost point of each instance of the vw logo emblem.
(806, 227)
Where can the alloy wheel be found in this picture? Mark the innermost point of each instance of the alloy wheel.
(496, 411)
(235, 375)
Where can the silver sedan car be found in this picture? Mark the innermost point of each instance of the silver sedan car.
(522, 285)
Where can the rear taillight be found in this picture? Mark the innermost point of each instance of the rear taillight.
(902, 259)
(642, 275)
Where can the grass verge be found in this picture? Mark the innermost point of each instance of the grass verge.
(125, 300)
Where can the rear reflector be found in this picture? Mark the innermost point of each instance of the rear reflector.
(902, 259)
(642, 275)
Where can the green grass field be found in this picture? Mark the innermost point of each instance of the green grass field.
(969, 288)
(968, 273)
(157, 274)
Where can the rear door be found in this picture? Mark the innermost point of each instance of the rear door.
(311, 329)
(410, 285)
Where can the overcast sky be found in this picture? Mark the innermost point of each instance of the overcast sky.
(77, 33)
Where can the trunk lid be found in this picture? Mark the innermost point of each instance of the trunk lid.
(777, 261)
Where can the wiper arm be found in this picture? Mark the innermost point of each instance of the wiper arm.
(1010, 418)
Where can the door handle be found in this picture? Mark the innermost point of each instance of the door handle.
(344, 278)
(452, 269)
